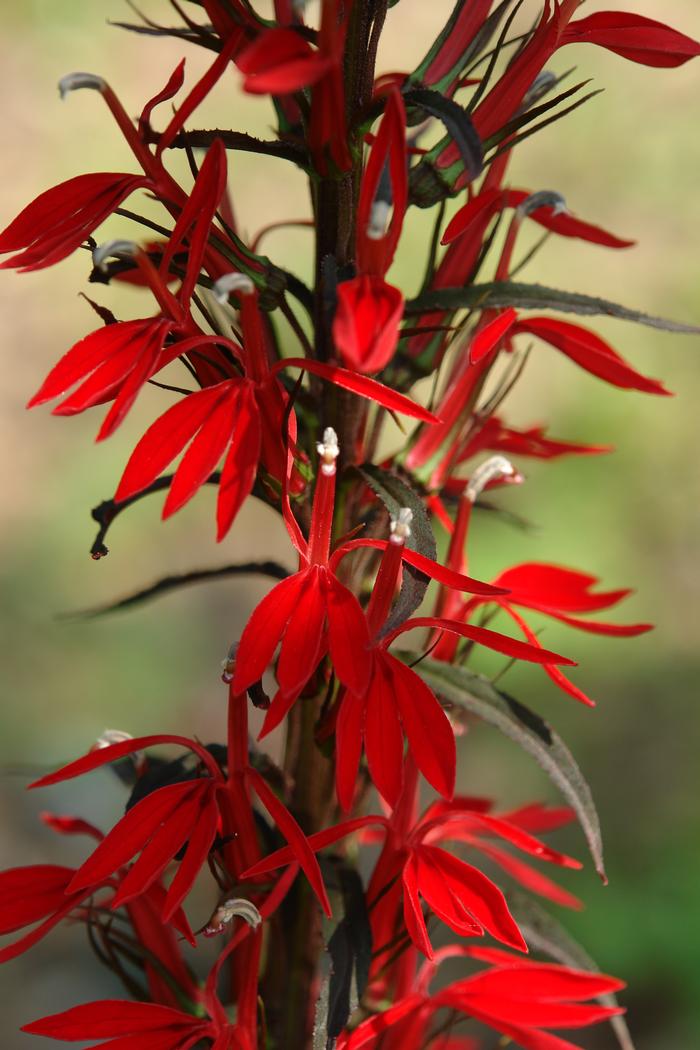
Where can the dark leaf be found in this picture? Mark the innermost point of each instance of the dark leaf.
(349, 954)
(171, 583)
(394, 494)
(501, 294)
(457, 122)
(545, 934)
(475, 694)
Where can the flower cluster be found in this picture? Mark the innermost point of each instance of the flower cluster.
(337, 888)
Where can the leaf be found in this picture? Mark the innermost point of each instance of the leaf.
(394, 494)
(545, 934)
(171, 583)
(457, 122)
(500, 294)
(350, 949)
(346, 962)
(474, 693)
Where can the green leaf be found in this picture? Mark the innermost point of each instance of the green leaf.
(545, 934)
(477, 695)
(394, 494)
(500, 294)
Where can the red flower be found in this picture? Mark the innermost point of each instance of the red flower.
(553, 591)
(395, 700)
(369, 311)
(590, 352)
(634, 37)
(495, 436)
(280, 61)
(366, 322)
(188, 812)
(111, 363)
(240, 419)
(60, 219)
(28, 894)
(127, 1025)
(516, 997)
(309, 613)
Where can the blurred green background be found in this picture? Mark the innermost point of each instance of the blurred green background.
(629, 160)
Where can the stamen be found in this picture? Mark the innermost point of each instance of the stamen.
(111, 736)
(75, 81)
(400, 526)
(226, 912)
(328, 450)
(542, 83)
(541, 199)
(112, 249)
(492, 469)
(378, 218)
(228, 666)
(232, 282)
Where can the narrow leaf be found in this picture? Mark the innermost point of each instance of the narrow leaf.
(545, 934)
(501, 294)
(476, 695)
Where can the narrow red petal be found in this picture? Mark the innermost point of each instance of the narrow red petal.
(165, 438)
(291, 831)
(362, 385)
(427, 727)
(264, 630)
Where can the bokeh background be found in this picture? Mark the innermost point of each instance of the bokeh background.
(628, 160)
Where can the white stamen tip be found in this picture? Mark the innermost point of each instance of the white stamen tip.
(328, 450)
(229, 910)
(299, 8)
(232, 282)
(493, 469)
(400, 527)
(112, 249)
(75, 81)
(228, 666)
(542, 199)
(111, 736)
(378, 216)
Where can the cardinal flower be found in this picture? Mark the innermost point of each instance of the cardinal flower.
(240, 420)
(552, 590)
(187, 814)
(115, 362)
(369, 310)
(517, 997)
(152, 1026)
(396, 701)
(312, 613)
(281, 61)
(414, 867)
(60, 219)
